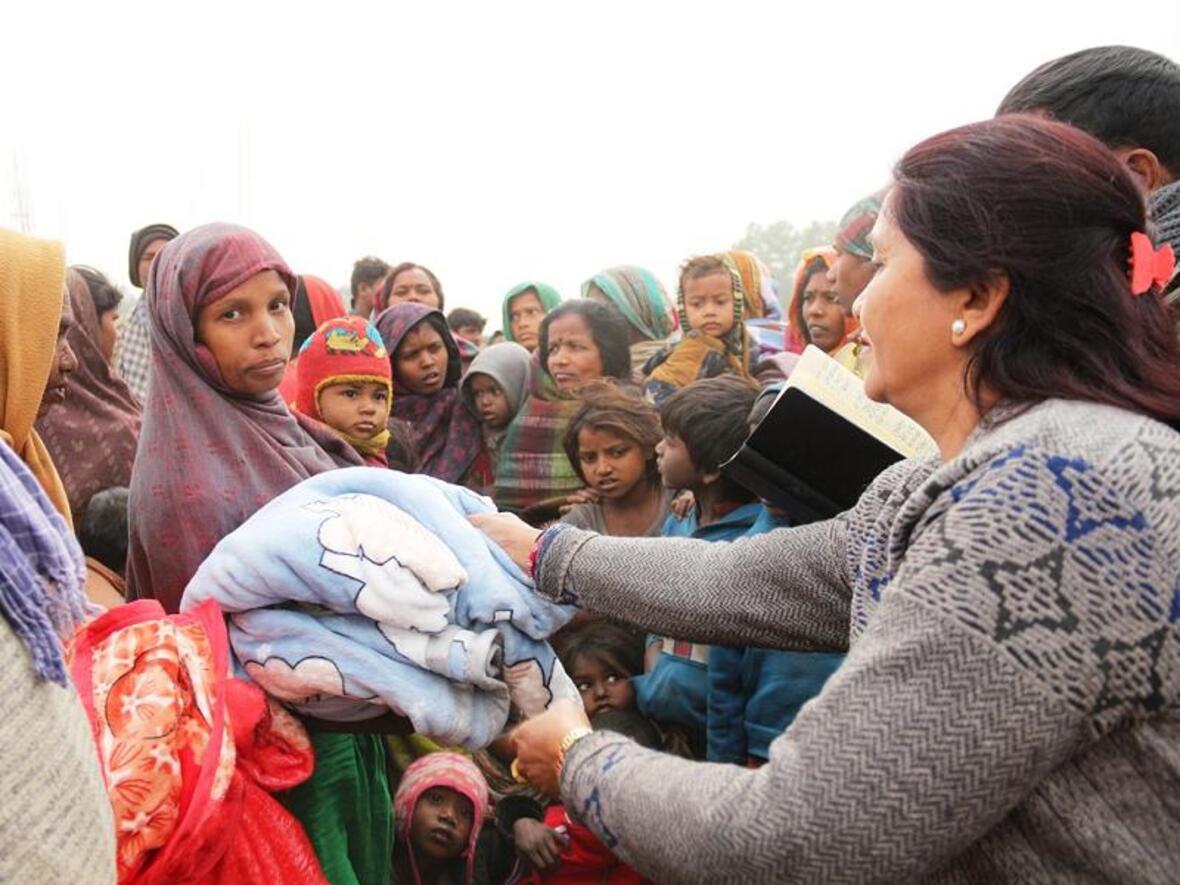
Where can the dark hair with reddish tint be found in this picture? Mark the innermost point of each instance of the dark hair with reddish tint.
(391, 280)
(607, 407)
(1051, 209)
(607, 328)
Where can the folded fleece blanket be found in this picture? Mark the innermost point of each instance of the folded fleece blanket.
(361, 590)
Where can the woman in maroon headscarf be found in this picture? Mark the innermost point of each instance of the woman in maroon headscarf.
(217, 440)
(92, 434)
(217, 444)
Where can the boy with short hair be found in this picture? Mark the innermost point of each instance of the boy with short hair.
(755, 693)
(467, 324)
(704, 425)
(1129, 99)
(368, 276)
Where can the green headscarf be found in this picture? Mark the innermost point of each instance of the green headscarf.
(639, 297)
(546, 294)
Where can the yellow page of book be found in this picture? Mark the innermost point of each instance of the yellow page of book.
(829, 383)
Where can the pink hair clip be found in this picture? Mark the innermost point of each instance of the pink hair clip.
(1149, 265)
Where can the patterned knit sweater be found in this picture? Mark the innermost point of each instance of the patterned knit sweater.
(1007, 711)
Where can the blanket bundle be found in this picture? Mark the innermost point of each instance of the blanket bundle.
(362, 590)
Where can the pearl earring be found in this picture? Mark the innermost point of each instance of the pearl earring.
(958, 327)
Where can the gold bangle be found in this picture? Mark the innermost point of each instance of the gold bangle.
(515, 770)
(571, 737)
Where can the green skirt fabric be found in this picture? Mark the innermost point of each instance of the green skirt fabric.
(346, 808)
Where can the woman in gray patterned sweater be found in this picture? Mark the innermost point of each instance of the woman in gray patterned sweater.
(1007, 711)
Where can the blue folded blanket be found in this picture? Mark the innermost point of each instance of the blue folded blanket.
(361, 590)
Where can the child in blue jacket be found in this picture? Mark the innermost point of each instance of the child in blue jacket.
(754, 693)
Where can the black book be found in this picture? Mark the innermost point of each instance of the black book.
(823, 442)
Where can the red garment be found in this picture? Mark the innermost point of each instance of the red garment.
(208, 458)
(189, 753)
(585, 860)
(326, 304)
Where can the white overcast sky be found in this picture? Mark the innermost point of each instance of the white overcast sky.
(501, 141)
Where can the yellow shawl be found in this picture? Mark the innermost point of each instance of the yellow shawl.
(32, 280)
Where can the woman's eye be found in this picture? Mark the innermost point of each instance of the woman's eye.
(582, 687)
(231, 314)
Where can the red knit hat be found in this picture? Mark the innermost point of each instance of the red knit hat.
(343, 350)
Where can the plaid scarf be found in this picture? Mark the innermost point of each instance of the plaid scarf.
(43, 575)
(533, 466)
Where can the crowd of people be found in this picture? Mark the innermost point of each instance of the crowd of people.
(262, 622)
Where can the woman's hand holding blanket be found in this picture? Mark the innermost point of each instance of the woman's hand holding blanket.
(516, 537)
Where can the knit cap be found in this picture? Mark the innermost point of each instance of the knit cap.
(453, 771)
(341, 351)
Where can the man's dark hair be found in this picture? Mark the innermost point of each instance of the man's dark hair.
(1122, 95)
(709, 416)
(465, 316)
(103, 530)
(102, 291)
(367, 270)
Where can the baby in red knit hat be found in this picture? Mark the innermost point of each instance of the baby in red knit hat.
(346, 381)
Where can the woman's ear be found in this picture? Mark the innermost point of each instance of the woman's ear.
(981, 306)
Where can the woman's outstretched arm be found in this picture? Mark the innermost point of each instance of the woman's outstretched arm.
(786, 589)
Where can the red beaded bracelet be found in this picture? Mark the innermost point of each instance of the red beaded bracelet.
(536, 551)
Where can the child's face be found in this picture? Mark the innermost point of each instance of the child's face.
(441, 824)
(491, 404)
(359, 409)
(602, 683)
(708, 304)
(676, 467)
(612, 465)
(525, 313)
(420, 363)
